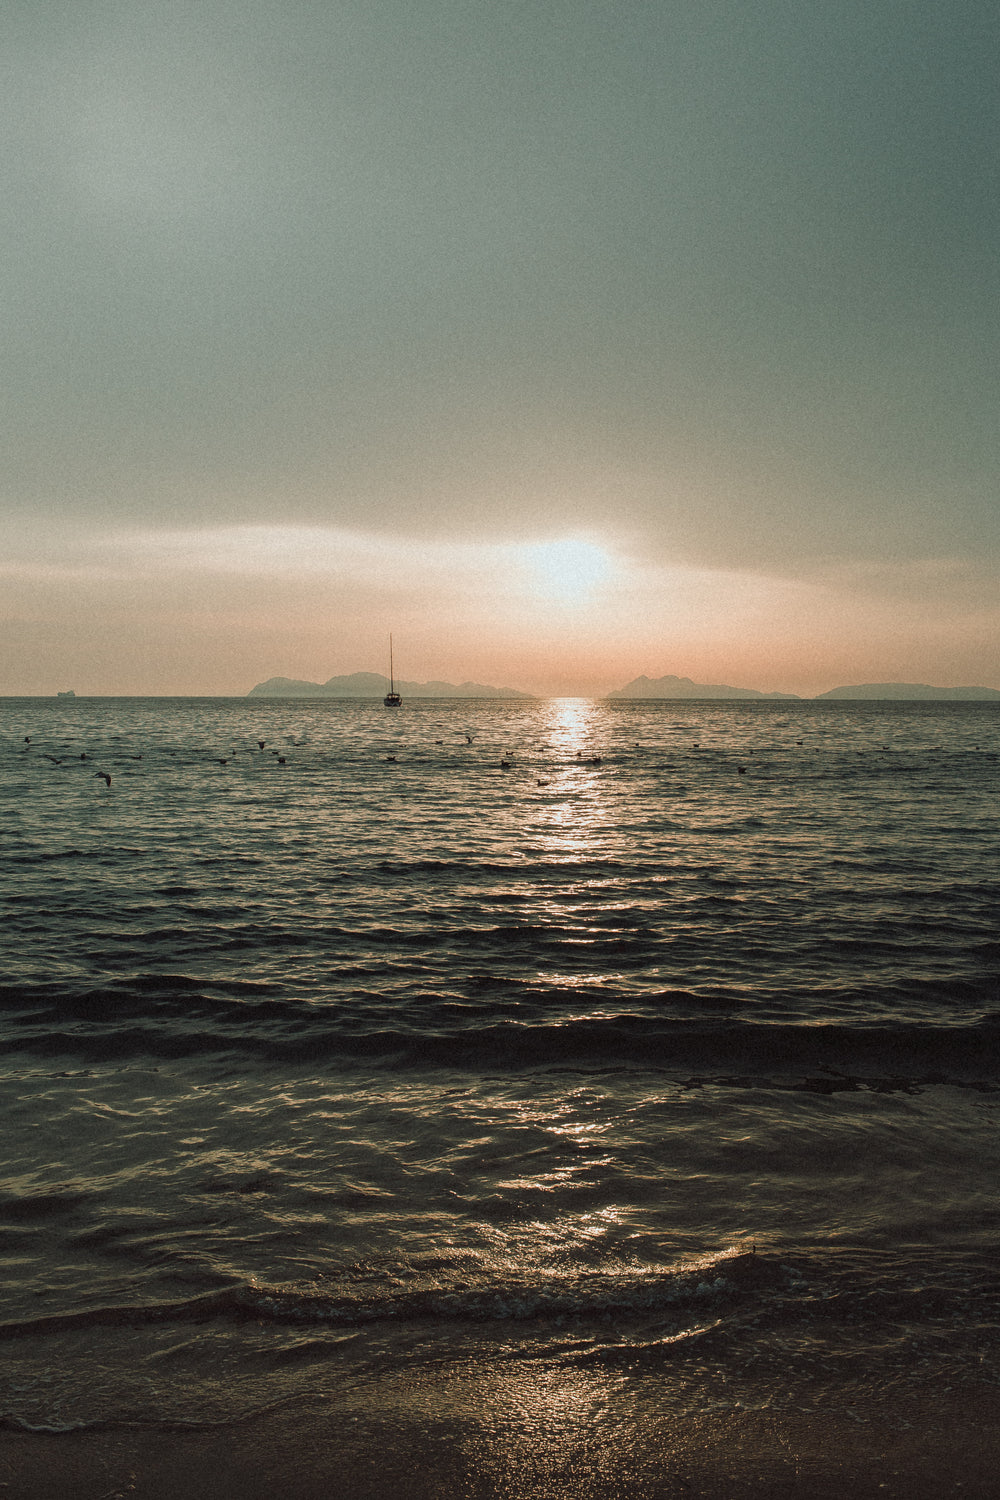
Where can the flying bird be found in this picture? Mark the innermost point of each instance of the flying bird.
(103, 776)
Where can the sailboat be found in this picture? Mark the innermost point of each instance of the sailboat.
(392, 698)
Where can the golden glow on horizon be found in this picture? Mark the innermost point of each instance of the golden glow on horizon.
(216, 609)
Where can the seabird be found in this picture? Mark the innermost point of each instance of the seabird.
(103, 776)
(505, 765)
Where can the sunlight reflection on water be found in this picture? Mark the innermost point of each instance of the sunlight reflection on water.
(572, 822)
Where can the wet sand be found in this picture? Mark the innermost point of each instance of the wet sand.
(463, 1436)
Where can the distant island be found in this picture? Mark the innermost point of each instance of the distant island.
(913, 690)
(683, 687)
(374, 685)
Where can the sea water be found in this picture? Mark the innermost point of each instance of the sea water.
(622, 1037)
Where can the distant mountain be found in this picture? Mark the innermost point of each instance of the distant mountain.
(374, 685)
(911, 690)
(683, 687)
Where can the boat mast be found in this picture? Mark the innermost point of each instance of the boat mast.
(392, 698)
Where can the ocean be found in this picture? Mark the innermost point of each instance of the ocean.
(611, 1048)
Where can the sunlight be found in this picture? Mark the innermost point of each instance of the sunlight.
(568, 572)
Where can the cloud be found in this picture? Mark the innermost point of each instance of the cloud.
(324, 314)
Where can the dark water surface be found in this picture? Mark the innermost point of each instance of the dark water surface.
(674, 1042)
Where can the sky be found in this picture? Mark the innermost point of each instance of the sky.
(567, 340)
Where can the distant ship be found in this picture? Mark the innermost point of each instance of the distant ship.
(392, 698)
(68, 694)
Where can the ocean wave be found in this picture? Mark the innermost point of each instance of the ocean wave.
(706, 1033)
(712, 1281)
(733, 1284)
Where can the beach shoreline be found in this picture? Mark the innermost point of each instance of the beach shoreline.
(455, 1434)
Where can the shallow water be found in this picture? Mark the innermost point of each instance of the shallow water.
(675, 1040)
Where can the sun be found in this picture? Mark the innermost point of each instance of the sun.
(569, 571)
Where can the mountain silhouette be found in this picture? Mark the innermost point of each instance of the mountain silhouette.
(374, 685)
